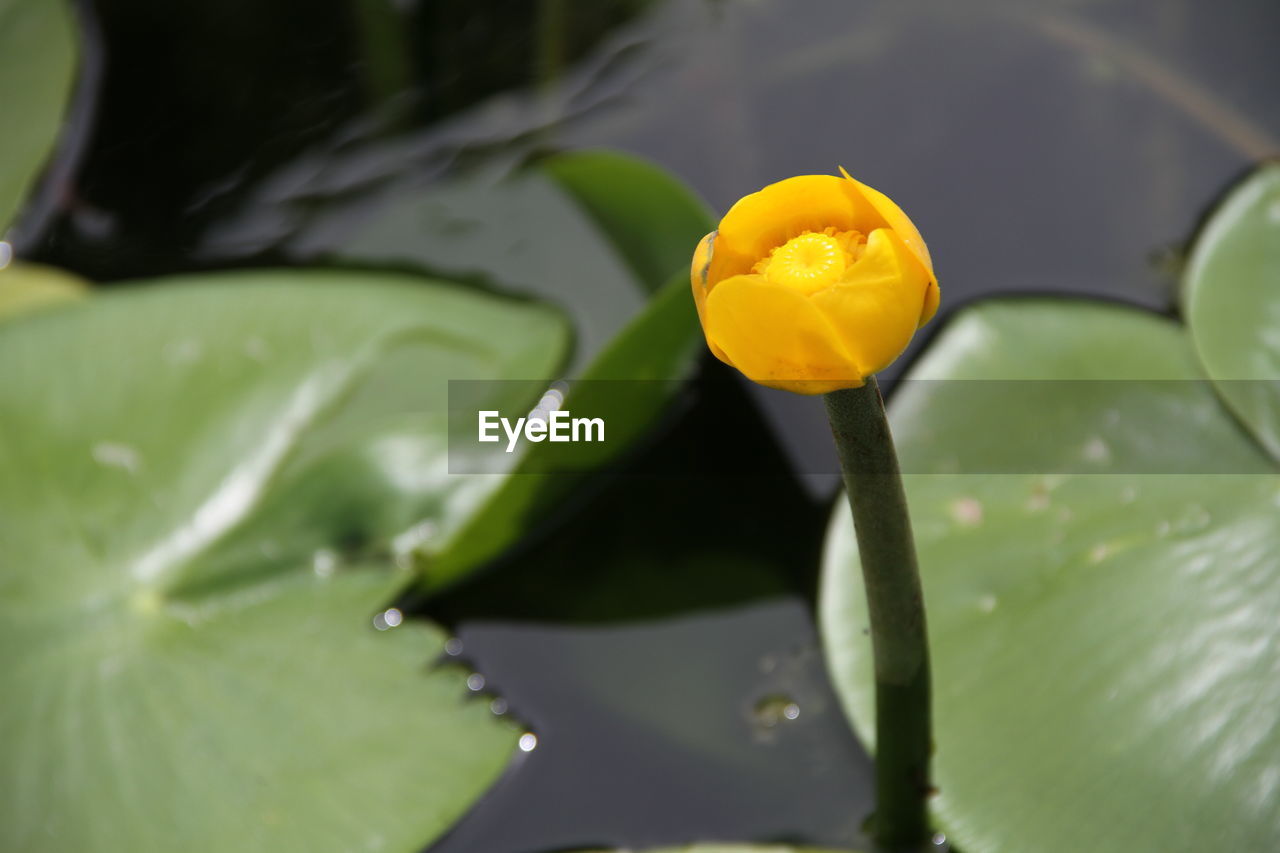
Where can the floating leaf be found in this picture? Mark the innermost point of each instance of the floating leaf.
(581, 228)
(1104, 643)
(1232, 302)
(199, 483)
(37, 64)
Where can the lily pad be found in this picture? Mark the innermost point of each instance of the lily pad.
(1232, 302)
(592, 232)
(200, 483)
(1103, 638)
(37, 66)
(629, 228)
(604, 237)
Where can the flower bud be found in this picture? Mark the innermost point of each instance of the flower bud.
(813, 284)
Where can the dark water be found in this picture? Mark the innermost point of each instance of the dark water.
(658, 649)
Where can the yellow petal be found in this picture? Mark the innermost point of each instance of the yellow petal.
(766, 219)
(701, 261)
(876, 307)
(892, 216)
(931, 299)
(776, 337)
(698, 279)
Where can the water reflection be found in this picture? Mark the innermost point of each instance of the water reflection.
(644, 720)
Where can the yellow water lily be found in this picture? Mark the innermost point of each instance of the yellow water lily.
(813, 284)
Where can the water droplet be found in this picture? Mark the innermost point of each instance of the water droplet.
(113, 455)
(475, 682)
(453, 647)
(967, 512)
(939, 839)
(324, 563)
(551, 401)
(773, 709)
(1192, 520)
(387, 619)
(1096, 451)
(498, 707)
(987, 603)
(528, 742)
(407, 543)
(6, 254)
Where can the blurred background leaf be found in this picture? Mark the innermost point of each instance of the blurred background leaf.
(643, 210)
(1231, 299)
(637, 223)
(1099, 639)
(37, 66)
(199, 485)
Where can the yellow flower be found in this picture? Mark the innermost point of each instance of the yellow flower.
(813, 284)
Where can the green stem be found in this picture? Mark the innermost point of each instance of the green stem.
(899, 639)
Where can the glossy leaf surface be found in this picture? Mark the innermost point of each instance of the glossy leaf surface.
(1104, 639)
(203, 483)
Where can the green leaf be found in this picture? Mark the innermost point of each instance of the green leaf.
(199, 483)
(627, 386)
(648, 216)
(596, 232)
(37, 65)
(25, 288)
(1232, 302)
(1102, 641)
(526, 233)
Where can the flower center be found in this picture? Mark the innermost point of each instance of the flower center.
(811, 261)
